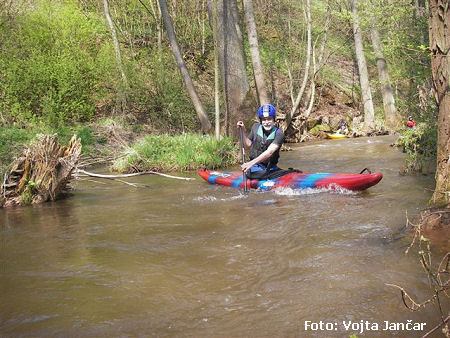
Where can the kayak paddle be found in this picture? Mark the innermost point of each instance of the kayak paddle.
(241, 139)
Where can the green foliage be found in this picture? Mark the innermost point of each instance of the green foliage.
(11, 141)
(85, 133)
(182, 152)
(49, 65)
(168, 104)
(26, 196)
(14, 139)
(419, 144)
(318, 128)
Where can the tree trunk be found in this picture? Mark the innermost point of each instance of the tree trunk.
(212, 10)
(254, 52)
(304, 117)
(239, 101)
(390, 113)
(366, 94)
(440, 67)
(290, 115)
(204, 121)
(118, 55)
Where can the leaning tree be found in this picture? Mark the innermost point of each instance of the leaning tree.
(440, 68)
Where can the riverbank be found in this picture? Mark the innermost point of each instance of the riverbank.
(127, 147)
(130, 145)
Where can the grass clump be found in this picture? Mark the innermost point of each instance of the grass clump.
(177, 153)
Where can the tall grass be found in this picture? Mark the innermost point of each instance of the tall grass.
(173, 153)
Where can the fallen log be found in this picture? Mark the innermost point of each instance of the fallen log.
(42, 173)
(81, 171)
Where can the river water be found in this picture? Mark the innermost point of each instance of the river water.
(184, 258)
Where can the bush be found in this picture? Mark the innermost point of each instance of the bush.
(49, 65)
(182, 152)
(419, 144)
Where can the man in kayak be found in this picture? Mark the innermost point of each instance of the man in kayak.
(265, 140)
(342, 127)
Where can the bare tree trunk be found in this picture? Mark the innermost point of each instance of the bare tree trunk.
(239, 100)
(223, 37)
(290, 115)
(118, 55)
(390, 112)
(440, 67)
(305, 115)
(254, 52)
(369, 112)
(203, 27)
(203, 117)
(212, 9)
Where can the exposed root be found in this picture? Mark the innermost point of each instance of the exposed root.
(434, 224)
(42, 173)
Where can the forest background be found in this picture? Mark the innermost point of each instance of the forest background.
(61, 70)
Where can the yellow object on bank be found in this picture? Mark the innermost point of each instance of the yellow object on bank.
(336, 136)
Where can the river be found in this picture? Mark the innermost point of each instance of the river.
(185, 258)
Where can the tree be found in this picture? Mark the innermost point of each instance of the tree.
(254, 52)
(439, 22)
(296, 103)
(387, 92)
(366, 93)
(203, 117)
(212, 13)
(239, 101)
(117, 52)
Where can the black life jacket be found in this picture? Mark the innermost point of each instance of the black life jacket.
(260, 144)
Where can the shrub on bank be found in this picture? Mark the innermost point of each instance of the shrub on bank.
(419, 144)
(173, 153)
(51, 64)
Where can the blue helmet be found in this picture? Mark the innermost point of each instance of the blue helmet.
(267, 110)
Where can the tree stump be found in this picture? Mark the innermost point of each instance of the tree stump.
(42, 173)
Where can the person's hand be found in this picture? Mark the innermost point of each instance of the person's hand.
(240, 124)
(246, 166)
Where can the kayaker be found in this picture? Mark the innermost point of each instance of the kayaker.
(342, 127)
(410, 123)
(265, 140)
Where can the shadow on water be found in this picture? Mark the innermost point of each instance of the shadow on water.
(192, 259)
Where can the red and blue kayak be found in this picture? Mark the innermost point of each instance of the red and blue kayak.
(295, 180)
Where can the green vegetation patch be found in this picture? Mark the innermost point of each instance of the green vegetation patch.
(320, 127)
(419, 144)
(51, 65)
(173, 153)
(12, 140)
